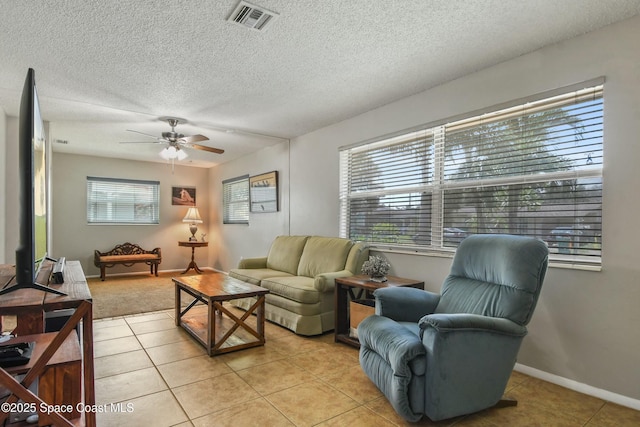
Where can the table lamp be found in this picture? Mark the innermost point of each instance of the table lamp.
(193, 217)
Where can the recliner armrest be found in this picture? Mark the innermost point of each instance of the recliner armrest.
(401, 348)
(448, 322)
(405, 304)
(253, 263)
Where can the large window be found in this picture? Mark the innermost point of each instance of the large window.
(534, 169)
(122, 201)
(235, 203)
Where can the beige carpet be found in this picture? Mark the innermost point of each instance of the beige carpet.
(123, 295)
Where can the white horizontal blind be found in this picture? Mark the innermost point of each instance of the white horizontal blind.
(386, 190)
(534, 169)
(235, 204)
(122, 201)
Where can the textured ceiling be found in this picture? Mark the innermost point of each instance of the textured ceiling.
(105, 66)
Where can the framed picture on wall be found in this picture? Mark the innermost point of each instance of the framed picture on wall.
(183, 196)
(263, 192)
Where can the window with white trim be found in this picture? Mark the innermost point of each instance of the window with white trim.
(122, 201)
(533, 169)
(235, 203)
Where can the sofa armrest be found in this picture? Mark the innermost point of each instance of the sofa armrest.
(253, 263)
(405, 304)
(327, 281)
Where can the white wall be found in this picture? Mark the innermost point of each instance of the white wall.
(230, 242)
(74, 239)
(585, 328)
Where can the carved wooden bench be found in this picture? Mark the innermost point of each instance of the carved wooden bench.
(127, 254)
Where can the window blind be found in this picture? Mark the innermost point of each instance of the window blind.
(122, 201)
(236, 200)
(386, 190)
(533, 169)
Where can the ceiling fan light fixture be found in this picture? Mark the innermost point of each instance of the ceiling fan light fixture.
(170, 153)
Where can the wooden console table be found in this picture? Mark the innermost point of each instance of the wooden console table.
(29, 306)
(193, 246)
(365, 287)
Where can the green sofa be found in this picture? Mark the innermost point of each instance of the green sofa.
(300, 273)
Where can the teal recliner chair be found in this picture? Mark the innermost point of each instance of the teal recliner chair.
(452, 354)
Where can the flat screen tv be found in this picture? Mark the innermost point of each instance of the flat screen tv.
(32, 192)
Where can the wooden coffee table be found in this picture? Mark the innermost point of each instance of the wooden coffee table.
(217, 328)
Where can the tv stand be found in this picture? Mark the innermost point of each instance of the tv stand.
(44, 273)
(36, 286)
(76, 379)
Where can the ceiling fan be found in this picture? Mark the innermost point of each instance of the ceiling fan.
(175, 142)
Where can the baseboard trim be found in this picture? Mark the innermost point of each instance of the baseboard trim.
(580, 387)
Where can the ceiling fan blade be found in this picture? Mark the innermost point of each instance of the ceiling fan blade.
(193, 138)
(142, 133)
(205, 148)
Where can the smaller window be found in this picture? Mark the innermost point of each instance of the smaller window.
(122, 201)
(235, 200)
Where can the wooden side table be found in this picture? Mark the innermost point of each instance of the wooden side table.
(193, 246)
(345, 290)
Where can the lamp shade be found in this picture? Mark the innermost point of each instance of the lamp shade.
(192, 216)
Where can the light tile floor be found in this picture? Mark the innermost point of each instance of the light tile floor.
(162, 377)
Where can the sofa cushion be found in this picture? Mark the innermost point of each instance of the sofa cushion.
(323, 255)
(285, 253)
(128, 258)
(254, 275)
(296, 288)
(294, 306)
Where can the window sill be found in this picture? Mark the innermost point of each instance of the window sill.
(572, 266)
(445, 254)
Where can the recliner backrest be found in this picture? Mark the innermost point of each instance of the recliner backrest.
(496, 276)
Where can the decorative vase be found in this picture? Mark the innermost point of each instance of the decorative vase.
(377, 268)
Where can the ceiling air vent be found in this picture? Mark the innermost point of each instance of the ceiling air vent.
(252, 17)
